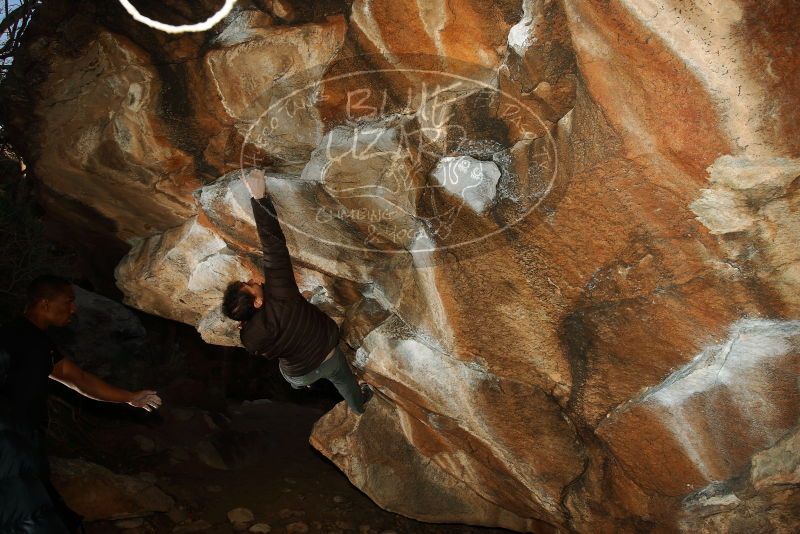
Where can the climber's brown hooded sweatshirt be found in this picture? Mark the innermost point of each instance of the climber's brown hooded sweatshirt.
(287, 326)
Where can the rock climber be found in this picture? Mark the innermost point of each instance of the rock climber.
(276, 321)
(28, 357)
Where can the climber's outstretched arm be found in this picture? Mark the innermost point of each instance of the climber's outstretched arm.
(277, 264)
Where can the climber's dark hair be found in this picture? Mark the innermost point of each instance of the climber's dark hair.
(238, 304)
(45, 287)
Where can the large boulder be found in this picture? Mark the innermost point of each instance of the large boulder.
(261, 80)
(764, 500)
(705, 422)
(582, 313)
(102, 142)
(181, 275)
(434, 493)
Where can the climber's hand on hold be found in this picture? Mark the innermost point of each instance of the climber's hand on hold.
(256, 183)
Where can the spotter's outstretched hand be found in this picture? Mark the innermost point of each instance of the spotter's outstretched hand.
(146, 399)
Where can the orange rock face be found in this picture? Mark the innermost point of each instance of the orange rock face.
(115, 158)
(561, 238)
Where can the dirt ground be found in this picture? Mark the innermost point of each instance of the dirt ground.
(262, 460)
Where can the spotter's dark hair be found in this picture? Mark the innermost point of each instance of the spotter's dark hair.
(238, 304)
(46, 287)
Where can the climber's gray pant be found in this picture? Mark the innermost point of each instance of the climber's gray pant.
(337, 372)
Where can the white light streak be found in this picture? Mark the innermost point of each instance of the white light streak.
(199, 27)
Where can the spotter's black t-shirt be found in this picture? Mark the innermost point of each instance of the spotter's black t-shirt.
(29, 360)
